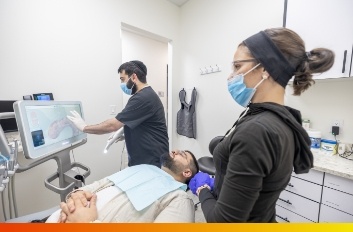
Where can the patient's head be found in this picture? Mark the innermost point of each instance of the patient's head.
(182, 165)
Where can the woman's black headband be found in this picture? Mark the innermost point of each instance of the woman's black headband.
(268, 54)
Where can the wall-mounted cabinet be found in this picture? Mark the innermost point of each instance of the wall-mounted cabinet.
(325, 23)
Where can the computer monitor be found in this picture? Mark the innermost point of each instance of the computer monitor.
(8, 125)
(44, 127)
(43, 96)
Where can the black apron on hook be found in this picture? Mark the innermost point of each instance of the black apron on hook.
(186, 117)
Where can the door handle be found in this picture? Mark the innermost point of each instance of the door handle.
(284, 219)
(286, 201)
(344, 61)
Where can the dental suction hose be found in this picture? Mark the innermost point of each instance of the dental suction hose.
(117, 136)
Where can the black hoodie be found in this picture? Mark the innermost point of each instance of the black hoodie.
(254, 163)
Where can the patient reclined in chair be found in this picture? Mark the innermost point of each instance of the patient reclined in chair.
(142, 193)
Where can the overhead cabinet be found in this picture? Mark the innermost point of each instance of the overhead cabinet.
(325, 23)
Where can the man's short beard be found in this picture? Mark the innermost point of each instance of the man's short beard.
(131, 85)
(168, 162)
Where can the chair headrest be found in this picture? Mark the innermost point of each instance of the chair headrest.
(214, 142)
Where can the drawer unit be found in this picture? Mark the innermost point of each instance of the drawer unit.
(305, 189)
(339, 183)
(284, 215)
(299, 205)
(313, 176)
(338, 200)
(328, 214)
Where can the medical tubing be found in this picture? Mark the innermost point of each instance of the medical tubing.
(10, 201)
(14, 195)
(3, 205)
(122, 156)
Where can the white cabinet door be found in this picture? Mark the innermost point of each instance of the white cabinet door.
(338, 200)
(305, 188)
(284, 215)
(325, 23)
(339, 183)
(328, 214)
(299, 205)
(312, 176)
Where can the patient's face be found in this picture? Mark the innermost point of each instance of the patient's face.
(176, 161)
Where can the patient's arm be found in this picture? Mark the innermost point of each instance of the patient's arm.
(82, 213)
(84, 194)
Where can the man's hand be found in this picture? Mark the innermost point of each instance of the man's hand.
(81, 213)
(77, 120)
(84, 196)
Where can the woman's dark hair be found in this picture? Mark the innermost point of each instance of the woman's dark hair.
(306, 63)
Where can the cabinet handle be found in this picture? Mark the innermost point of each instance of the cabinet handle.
(286, 201)
(290, 185)
(344, 61)
(350, 67)
(284, 219)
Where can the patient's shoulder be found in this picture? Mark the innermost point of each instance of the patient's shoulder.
(177, 194)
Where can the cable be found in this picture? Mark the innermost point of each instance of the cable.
(347, 154)
(78, 170)
(9, 197)
(122, 156)
(14, 195)
(3, 205)
(335, 148)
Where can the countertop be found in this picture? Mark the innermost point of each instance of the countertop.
(333, 164)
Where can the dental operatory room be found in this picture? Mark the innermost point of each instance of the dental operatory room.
(176, 111)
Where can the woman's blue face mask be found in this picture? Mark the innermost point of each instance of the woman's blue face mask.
(238, 90)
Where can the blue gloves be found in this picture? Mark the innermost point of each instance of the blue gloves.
(200, 179)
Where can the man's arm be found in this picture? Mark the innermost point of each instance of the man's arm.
(84, 194)
(105, 127)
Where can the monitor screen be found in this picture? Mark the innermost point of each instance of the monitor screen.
(9, 124)
(43, 96)
(44, 127)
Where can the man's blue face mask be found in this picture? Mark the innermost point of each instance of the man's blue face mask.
(238, 90)
(125, 89)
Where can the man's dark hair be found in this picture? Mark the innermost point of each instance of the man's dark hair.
(194, 166)
(134, 66)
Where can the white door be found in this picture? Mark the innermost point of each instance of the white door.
(154, 54)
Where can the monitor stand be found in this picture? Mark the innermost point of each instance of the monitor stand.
(69, 179)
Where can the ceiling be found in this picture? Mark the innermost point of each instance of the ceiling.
(178, 2)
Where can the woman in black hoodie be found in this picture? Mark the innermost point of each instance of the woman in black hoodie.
(256, 157)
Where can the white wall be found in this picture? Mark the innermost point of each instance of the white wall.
(72, 48)
(324, 102)
(211, 31)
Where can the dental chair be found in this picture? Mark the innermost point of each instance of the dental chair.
(206, 163)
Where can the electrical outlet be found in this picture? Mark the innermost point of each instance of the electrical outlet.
(112, 109)
(337, 122)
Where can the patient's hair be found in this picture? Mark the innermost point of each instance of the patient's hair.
(194, 166)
